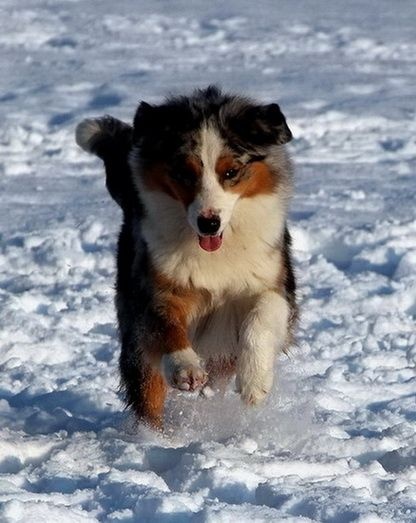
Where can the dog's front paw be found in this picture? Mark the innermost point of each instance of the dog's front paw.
(183, 371)
(189, 378)
(254, 391)
(253, 395)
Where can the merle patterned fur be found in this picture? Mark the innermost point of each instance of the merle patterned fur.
(165, 132)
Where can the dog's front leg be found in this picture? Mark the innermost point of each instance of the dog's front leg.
(182, 369)
(263, 333)
(179, 363)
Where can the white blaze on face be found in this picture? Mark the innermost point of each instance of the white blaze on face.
(211, 199)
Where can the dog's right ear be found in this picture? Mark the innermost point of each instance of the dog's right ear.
(111, 140)
(152, 124)
(146, 117)
(158, 129)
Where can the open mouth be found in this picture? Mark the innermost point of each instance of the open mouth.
(210, 243)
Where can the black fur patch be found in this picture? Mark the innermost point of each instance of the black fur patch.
(290, 280)
(161, 131)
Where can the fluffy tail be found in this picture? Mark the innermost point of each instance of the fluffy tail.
(104, 136)
(111, 140)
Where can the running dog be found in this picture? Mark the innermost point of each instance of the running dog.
(205, 285)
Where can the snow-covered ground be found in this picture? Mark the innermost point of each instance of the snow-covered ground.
(336, 442)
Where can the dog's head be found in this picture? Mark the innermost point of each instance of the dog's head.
(205, 152)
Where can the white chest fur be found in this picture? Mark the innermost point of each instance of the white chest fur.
(248, 260)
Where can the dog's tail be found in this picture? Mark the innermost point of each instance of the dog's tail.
(111, 140)
(104, 137)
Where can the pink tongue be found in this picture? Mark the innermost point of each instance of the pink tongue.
(210, 243)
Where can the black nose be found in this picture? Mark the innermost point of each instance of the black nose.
(208, 225)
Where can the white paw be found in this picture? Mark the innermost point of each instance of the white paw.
(183, 371)
(254, 391)
(189, 378)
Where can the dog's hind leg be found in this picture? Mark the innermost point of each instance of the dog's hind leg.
(145, 392)
(151, 400)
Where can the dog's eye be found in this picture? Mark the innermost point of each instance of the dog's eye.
(230, 174)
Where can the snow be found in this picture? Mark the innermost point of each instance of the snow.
(336, 441)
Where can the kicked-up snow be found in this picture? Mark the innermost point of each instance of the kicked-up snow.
(336, 441)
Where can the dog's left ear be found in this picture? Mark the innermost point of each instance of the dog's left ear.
(262, 125)
(275, 122)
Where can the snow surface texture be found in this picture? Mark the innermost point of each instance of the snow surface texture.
(336, 442)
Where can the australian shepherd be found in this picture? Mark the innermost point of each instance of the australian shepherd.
(205, 286)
